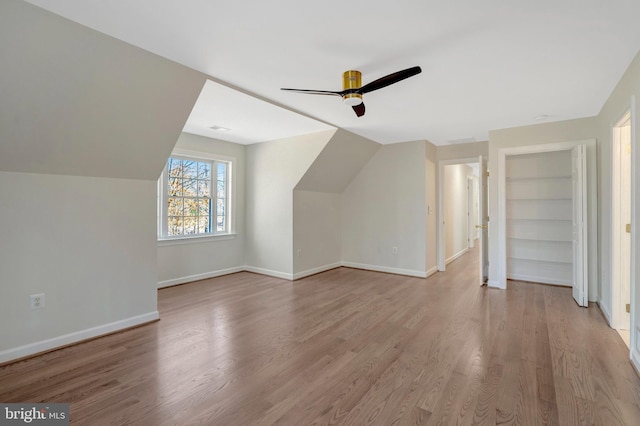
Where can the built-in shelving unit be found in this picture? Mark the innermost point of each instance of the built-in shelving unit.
(539, 218)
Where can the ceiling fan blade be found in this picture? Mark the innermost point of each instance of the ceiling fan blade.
(314, 92)
(359, 109)
(390, 79)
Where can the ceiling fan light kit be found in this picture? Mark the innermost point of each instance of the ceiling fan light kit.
(353, 90)
(351, 80)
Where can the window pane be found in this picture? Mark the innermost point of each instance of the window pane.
(174, 167)
(191, 207)
(190, 169)
(204, 171)
(221, 223)
(222, 171)
(220, 207)
(174, 226)
(175, 186)
(203, 224)
(175, 207)
(190, 187)
(204, 207)
(204, 188)
(190, 225)
(222, 189)
(221, 180)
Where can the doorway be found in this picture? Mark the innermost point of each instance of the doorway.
(538, 191)
(584, 211)
(446, 250)
(621, 226)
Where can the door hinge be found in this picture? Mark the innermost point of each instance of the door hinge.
(628, 307)
(628, 228)
(487, 173)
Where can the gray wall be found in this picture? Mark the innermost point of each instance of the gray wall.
(189, 260)
(383, 207)
(86, 124)
(273, 171)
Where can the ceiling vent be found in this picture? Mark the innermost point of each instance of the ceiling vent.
(463, 140)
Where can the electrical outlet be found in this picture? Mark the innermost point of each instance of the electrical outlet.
(298, 252)
(37, 301)
(394, 250)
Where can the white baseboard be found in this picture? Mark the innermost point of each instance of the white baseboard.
(431, 271)
(496, 284)
(317, 270)
(377, 268)
(457, 255)
(77, 336)
(541, 280)
(298, 275)
(269, 272)
(197, 277)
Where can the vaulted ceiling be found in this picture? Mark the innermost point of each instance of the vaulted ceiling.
(486, 65)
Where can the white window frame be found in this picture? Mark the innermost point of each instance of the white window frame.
(163, 237)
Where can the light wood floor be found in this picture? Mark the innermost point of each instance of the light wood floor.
(346, 347)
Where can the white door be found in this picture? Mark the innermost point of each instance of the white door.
(483, 235)
(580, 260)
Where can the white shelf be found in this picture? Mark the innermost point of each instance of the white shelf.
(539, 262)
(542, 250)
(540, 271)
(539, 209)
(545, 189)
(539, 218)
(536, 178)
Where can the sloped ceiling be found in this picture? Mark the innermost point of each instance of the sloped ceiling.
(487, 65)
(77, 102)
(338, 163)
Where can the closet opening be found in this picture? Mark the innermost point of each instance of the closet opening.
(547, 216)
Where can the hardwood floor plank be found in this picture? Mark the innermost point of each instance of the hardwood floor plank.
(349, 347)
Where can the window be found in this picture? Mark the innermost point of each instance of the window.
(194, 197)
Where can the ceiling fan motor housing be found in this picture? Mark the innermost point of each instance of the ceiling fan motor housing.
(352, 79)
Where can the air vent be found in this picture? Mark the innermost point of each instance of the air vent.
(463, 140)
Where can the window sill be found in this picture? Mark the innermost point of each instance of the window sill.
(162, 242)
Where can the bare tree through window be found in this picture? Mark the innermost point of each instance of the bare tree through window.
(196, 197)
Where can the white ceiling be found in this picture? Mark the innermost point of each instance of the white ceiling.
(486, 64)
(247, 119)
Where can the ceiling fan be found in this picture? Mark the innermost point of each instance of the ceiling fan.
(353, 90)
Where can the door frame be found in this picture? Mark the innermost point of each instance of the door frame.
(471, 221)
(592, 206)
(440, 249)
(616, 224)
